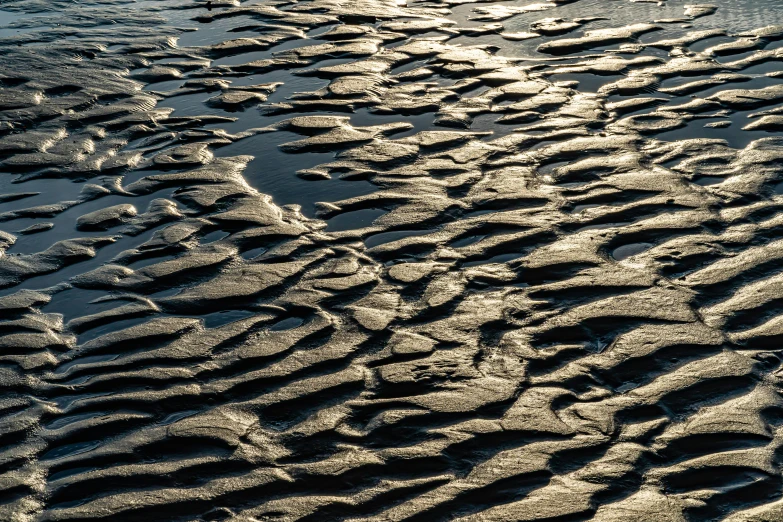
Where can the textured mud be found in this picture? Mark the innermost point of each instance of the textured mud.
(378, 260)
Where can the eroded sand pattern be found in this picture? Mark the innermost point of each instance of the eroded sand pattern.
(383, 260)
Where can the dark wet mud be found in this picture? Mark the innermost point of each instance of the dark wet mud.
(391, 260)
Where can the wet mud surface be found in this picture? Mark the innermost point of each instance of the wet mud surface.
(384, 260)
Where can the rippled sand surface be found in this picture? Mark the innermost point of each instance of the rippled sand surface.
(389, 260)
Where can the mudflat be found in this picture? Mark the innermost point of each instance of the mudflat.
(391, 260)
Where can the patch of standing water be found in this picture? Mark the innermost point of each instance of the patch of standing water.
(9, 18)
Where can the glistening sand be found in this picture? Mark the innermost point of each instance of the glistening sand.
(383, 261)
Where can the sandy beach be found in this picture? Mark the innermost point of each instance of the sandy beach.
(391, 260)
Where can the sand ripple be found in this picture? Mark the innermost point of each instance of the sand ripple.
(386, 260)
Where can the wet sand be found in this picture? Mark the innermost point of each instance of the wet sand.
(390, 260)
